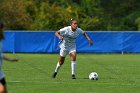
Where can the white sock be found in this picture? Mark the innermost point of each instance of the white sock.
(73, 67)
(57, 67)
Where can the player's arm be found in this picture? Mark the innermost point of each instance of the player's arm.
(10, 59)
(88, 38)
(58, 35)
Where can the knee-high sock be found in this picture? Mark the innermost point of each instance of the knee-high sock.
(57, 67)
(73, 67)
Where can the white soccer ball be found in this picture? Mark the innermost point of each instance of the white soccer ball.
(93, 76)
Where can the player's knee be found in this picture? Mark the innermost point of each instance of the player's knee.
(73, 57)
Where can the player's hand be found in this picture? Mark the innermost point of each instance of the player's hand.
(60, 37)
(90, 42)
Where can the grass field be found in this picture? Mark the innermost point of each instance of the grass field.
(32, 74)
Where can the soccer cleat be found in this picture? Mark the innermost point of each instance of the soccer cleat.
(73, 76)
(54, 74)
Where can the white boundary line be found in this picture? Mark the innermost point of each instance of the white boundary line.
(14, 81)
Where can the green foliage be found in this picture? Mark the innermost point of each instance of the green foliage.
(91, 23)
(138, 23)
(13, 12)
(55, 14)
(130, 21)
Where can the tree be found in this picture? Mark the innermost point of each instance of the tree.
(14, 14)
(54, 14)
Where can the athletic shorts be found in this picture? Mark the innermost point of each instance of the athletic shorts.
(64, 52)
(2, 81)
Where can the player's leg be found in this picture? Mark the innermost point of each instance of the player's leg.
(63, 53)
(60, 62)
(73, 63)
(3, 88)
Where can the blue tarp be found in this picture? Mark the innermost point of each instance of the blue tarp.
(47, 42)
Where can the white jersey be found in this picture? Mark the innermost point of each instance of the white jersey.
(69, 37)
(1, 57)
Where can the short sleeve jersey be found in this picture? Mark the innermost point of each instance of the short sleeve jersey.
(69, 36)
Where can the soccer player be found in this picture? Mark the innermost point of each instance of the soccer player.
(68, 37)
(3, 88)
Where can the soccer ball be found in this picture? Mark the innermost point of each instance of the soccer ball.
(93, 76)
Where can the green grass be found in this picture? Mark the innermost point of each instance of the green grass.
(32, 74)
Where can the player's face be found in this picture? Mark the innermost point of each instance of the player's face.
(74, 25)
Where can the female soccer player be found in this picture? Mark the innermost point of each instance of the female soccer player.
(68, 37)
(2, 77)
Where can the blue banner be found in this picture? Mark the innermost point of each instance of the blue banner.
(47, 42)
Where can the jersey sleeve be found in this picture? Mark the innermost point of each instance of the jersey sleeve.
(81, 31)
(62, 31)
